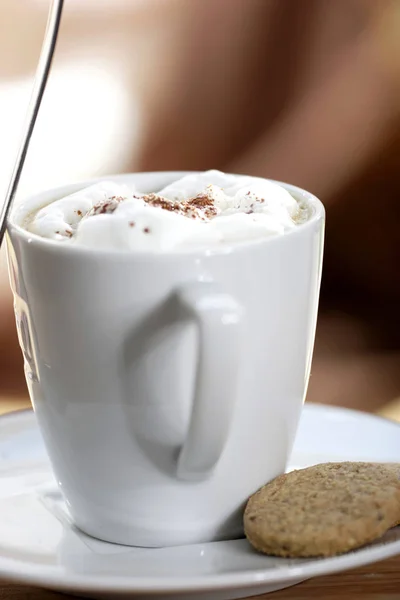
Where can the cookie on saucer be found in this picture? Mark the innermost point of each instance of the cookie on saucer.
(324, 510)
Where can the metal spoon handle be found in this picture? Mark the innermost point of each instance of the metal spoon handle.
(42, 73)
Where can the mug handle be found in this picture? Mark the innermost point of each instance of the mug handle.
(219, 319)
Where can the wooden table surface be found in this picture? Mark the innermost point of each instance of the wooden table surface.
(380, 581)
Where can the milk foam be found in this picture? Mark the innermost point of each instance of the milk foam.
(202, 210)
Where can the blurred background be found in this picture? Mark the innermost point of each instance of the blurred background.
(305, 91)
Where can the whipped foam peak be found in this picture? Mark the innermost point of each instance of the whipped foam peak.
(200, 210)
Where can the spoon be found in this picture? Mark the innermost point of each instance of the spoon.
(42, 73)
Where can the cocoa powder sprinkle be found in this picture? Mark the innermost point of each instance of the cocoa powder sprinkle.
(199, 207)
(106, 207)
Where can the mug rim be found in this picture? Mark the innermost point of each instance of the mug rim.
(41, 199)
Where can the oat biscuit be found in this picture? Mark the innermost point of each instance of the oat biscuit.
(324, 510)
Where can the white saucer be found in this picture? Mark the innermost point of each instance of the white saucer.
(38, 545)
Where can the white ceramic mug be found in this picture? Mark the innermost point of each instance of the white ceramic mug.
(168, 387)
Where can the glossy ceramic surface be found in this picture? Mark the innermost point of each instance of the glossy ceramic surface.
(160, 375)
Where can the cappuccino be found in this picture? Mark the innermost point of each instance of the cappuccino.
(201, 210)
(149, 320)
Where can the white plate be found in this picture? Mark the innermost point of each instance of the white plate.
(39, 546)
